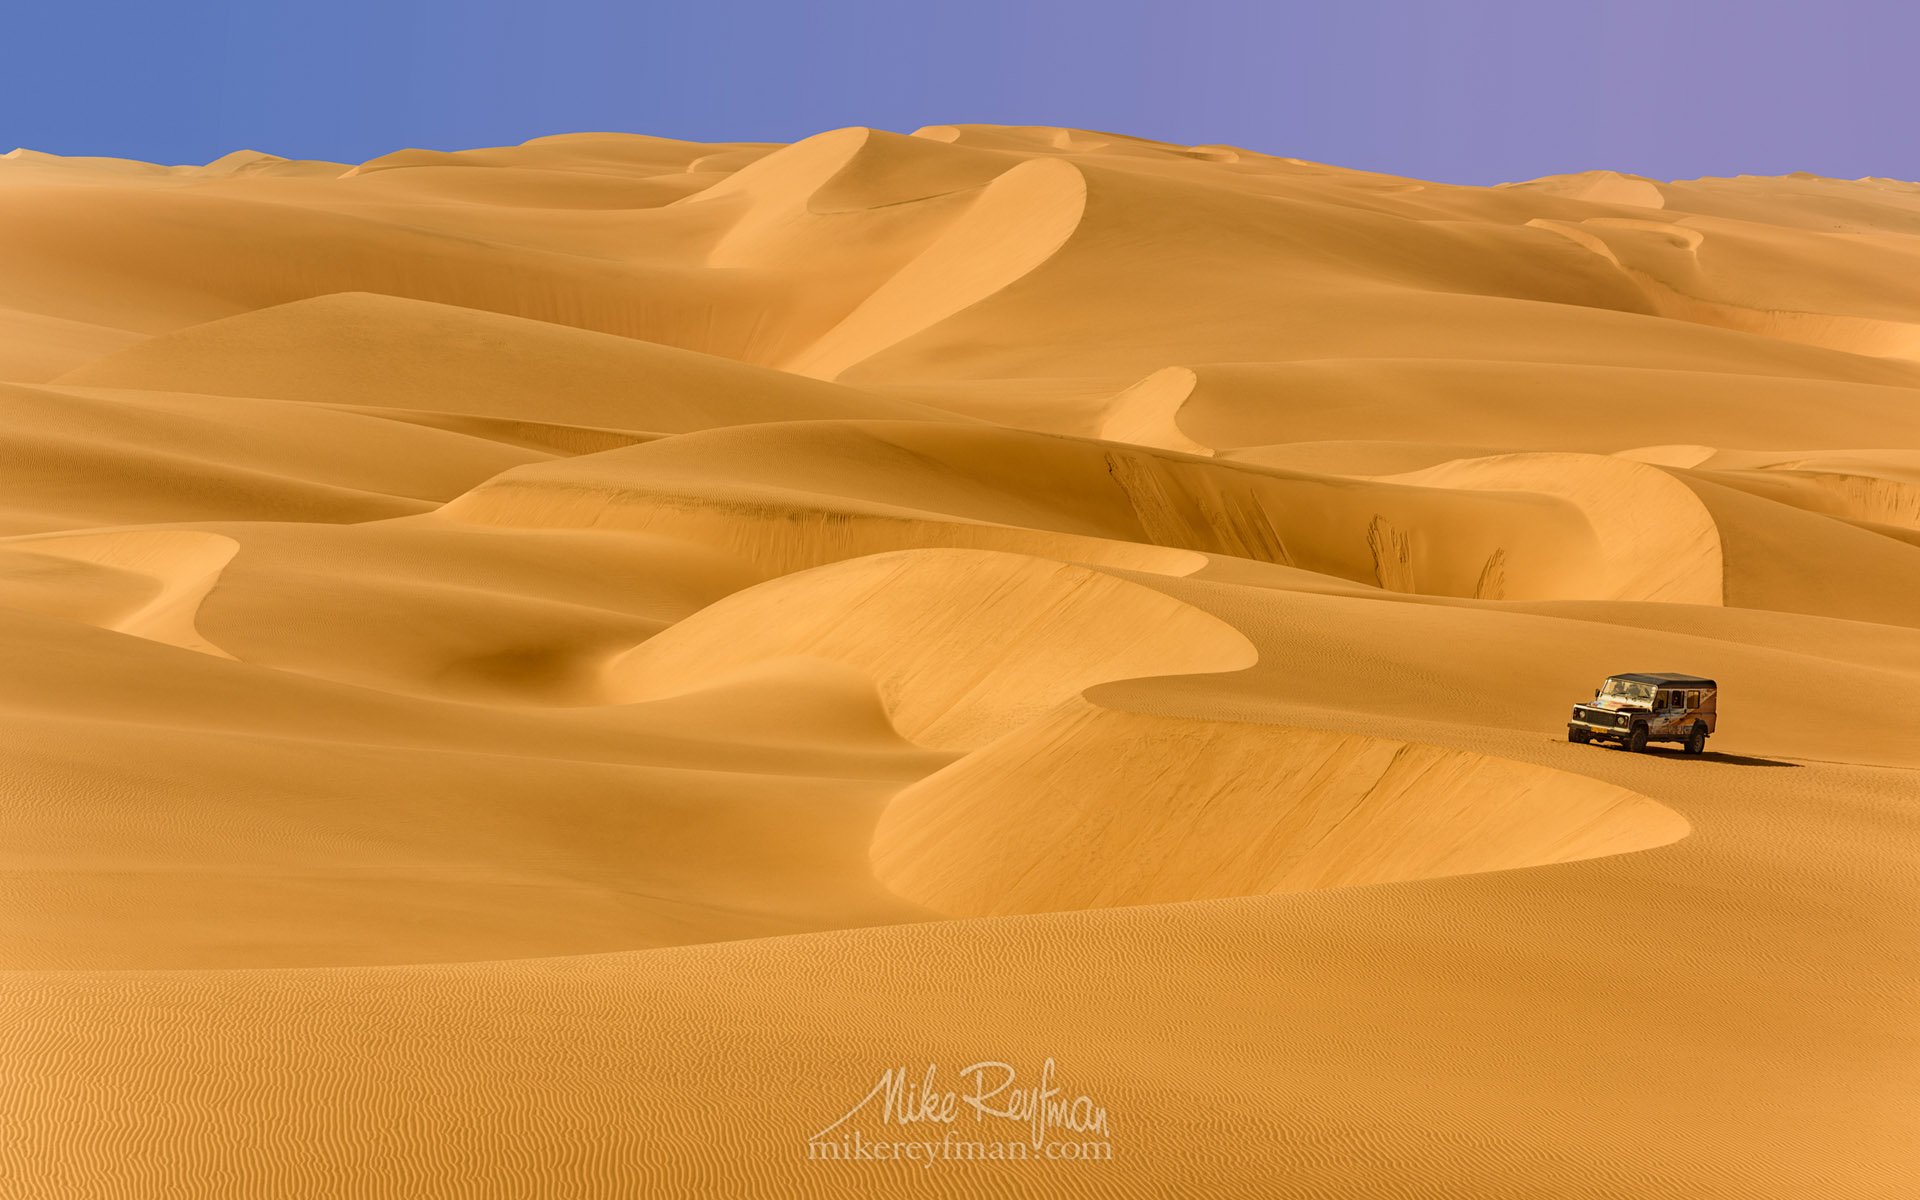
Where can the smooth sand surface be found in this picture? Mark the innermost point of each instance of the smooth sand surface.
(545, 671)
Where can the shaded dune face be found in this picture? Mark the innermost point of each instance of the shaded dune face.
(962, 646)
(164, 573)
(1062, 803)
(372, 352)
(512, 659)
(1094, 807)
(1520, 527)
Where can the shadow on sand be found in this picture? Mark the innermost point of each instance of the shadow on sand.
(1714, 756)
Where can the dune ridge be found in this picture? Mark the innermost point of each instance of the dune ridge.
(178, 568)
(1152, 809)
(963, 645)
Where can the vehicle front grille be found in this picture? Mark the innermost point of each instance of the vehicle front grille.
(1599, 716)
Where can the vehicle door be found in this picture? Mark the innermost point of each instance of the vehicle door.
(1669, 707)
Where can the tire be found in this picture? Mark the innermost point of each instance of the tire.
(1697, 739)
(1579, 737)
(1637, 740)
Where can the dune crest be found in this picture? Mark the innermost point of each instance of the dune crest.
(1017, 222)
(1148, 413)
(1657, 541)
(996, 638)
(374, 351)
(1603, 187)
(178, 567)
(1089, 807)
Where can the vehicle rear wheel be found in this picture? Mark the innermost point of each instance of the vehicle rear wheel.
(1637, 740)
(1697, 739)
(1579, 736)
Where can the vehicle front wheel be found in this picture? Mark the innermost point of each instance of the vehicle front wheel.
(1579, 736)
(1637, 740)
(1697, 739)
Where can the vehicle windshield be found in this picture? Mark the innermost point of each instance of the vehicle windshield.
(1628, 689)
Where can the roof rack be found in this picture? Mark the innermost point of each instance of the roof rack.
(1667, 679)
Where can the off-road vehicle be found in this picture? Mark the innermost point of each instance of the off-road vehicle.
(1656, 707)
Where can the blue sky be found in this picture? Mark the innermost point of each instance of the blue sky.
(1472, 91)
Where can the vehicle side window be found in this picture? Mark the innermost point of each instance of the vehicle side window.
(1693, 699)
(1667, 699)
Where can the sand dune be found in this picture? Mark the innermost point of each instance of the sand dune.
(371, 351)
(1594, 407)
(962, 646)
(1152, 809)
(543, 670)
(1655, 541)
(788, 495)
(172, 570)
(83, 457)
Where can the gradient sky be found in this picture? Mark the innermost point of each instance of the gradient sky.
(1471, 91)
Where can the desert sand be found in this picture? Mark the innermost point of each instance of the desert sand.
(545, 671)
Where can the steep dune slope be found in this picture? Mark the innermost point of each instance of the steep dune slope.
(789, 495)
(377, 351)
(168, 572)
(82, 457)
(1145, 809)
(963, 645)
(1595, 407)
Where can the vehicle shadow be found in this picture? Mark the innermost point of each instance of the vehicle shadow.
(1715, 756)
